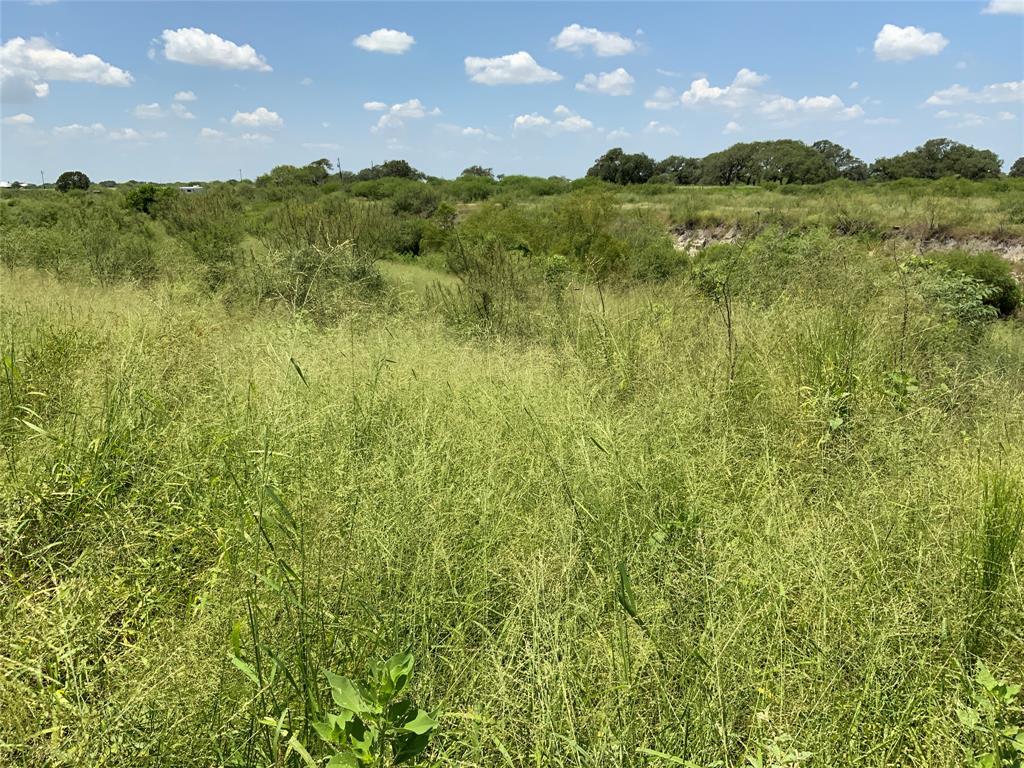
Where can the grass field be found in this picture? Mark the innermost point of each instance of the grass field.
(758, 506)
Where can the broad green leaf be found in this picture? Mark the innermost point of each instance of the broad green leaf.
(409, 745)
(969, 717)
(343, 760)
(399, 669)
(345, 694)
(327, 732)
(625, 591)
(294, 745)
(422, 723)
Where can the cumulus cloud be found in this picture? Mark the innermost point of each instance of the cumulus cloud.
(854, 85)
(905, 43)
(184, 96)
(996, 93)
(663, 98)
(211, 133)
(576, 38)
(737, 94)
(732, 127)
(19, 119)
(660, 129)
(1004, 6)
(1000, 115)
(396, 113)
(618, 133)
(825, 106)
(180, 110)
(27, 66)
(569, 121)
(514, 69)
(261, 117)
(256, 138)
(306, 81)
(191, 45)
(532, 120)
(618, 82)
(471, 131)
(76, 129)
(148, 111)
(385, 41)
(129, 134)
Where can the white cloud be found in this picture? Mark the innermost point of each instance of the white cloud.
(1004, 6)
(576, 38)
(180, 110)
(945, 114)
(397, 113)
(26, 66)
(184, 96)
(514, 69)
(148, 111)
(970, 120)
(881, 121)
(732, 127)
(470, 131)
(854, 85)
(322, 145)
(256, 138)
(1000, 115)
(570, 122)
(618, 82)
(126, 134)
(574, 124)
(996, 93)
(261, 117)
(307, 81)
(740, 92)
(532, 120)
(385, 41)
(191, 45)
(669, 73)
(19, 119)
(76, 129)
(663, 98)
(211, 133)
(618, 133)
(905, 43)
(660, 129)
(821, 106)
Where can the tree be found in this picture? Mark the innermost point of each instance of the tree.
(287, 175)
(71, 180)
(477, 171)
(619, 167)
(842, 160)
(1017, 169)
(678, 170)
(937, 158)
(390, 168)
(784, 161)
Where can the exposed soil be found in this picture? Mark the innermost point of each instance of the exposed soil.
(694, 239)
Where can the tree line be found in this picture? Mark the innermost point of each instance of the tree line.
(786, 161)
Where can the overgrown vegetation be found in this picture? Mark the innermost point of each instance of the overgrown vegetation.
(754, 503)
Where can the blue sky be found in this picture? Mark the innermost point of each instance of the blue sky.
(538, 88)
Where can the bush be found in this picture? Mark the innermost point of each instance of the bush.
(146, 197)
(991, 269)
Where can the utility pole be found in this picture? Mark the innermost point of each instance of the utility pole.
(239, 174)
(339, 168)
(41, 182)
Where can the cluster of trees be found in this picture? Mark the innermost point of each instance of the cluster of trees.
(786, 161)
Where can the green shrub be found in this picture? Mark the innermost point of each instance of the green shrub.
(991, 269)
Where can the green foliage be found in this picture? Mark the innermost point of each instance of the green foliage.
(390, 169)
(71, 180)
(1017, 169)
(373, 725)
(146, 198)
(994, 722)
(676, 169)
(991, 269)
(618, 167)
(784, 161)
(842, 160)
(937, 158)
(477, 171)
(313, 174)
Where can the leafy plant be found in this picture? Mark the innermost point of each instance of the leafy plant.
(994, 722)
(373, 726)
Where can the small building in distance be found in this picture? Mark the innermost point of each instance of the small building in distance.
(190, 188)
